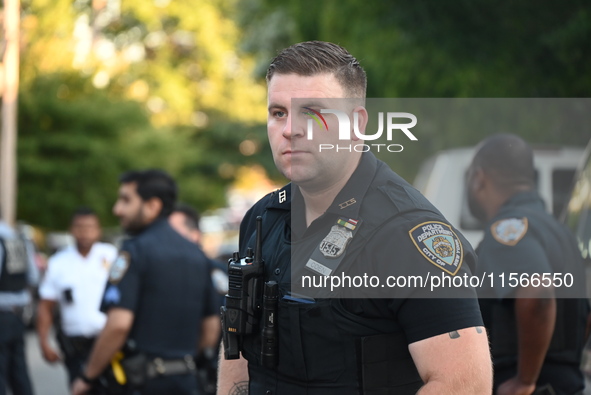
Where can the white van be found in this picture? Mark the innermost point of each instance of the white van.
(442, 180)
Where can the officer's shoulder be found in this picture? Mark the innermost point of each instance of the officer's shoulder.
(63, 255)
(399, 194)
(508, 228)
(130, 245)
(279, 198)
(106, 248)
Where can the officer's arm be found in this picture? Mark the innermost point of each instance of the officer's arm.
(232, 375)
(455, 363)
(110, 340)
(211, 329)
(535, 312)
(44, 324)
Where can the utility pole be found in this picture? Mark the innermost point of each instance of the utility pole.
(9, 111)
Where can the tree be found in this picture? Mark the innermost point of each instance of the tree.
(435, 49)
(68, 160)
(106, 88)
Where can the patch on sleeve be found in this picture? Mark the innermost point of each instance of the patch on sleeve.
(119, 267)
(106, 264)
(112, 295)
(509, 231)
(438, 243)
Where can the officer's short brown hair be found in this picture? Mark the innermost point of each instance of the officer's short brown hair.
(318, 57)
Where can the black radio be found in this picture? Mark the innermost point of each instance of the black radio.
(242, 312)
(244, 303)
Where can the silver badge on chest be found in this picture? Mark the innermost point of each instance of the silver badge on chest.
(335, 242)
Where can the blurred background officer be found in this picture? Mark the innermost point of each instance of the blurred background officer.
(185, 220)
(536, 339)
(75, 280)
(159, 293)
(17, 271)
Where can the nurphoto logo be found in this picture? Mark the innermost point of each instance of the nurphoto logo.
(344, 122)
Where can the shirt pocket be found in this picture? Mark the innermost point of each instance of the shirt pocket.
(311, 348)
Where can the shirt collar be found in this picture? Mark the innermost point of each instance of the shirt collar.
(348, 201)
(524, 198)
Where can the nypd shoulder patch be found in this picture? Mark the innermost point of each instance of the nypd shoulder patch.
(439, 244)
(509, 231)
(112, 295)
(119, 267)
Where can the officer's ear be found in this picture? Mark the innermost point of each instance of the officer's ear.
(152, 208)
(362, 118)
(478, 179)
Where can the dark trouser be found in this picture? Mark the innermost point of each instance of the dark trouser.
(178, 385)
(13, 365)
(76, 353)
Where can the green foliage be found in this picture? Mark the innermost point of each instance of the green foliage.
(442, 49)
(75, 140)
(70, 150)
(185, 107)
(430, 48)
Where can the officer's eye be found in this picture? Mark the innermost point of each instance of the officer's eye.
(278, 114)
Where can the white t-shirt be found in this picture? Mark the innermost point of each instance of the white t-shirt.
(85, 277)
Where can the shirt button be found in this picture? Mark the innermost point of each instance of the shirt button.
(269, 392)
(277, 272)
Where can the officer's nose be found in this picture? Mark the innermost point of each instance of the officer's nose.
(293, 127)
(117, 209)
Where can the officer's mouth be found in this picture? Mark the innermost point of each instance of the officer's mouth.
(294, 152)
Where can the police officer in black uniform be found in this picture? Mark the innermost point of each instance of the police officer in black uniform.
(158, 294)
(536, 327)
(17, 271)
(347, 214)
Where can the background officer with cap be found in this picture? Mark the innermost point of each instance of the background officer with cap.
(17, 271)
(158, 294)
(536, 336)
(347, 212)
(75, 280)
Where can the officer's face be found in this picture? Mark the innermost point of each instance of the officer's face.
(86, 230)
(129, 208)
(298, 158)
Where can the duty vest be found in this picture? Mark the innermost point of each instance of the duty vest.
(13, 277)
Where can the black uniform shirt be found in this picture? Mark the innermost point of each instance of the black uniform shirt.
(391, 249)
(164, 280)
(521, 243)
(523, 240)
